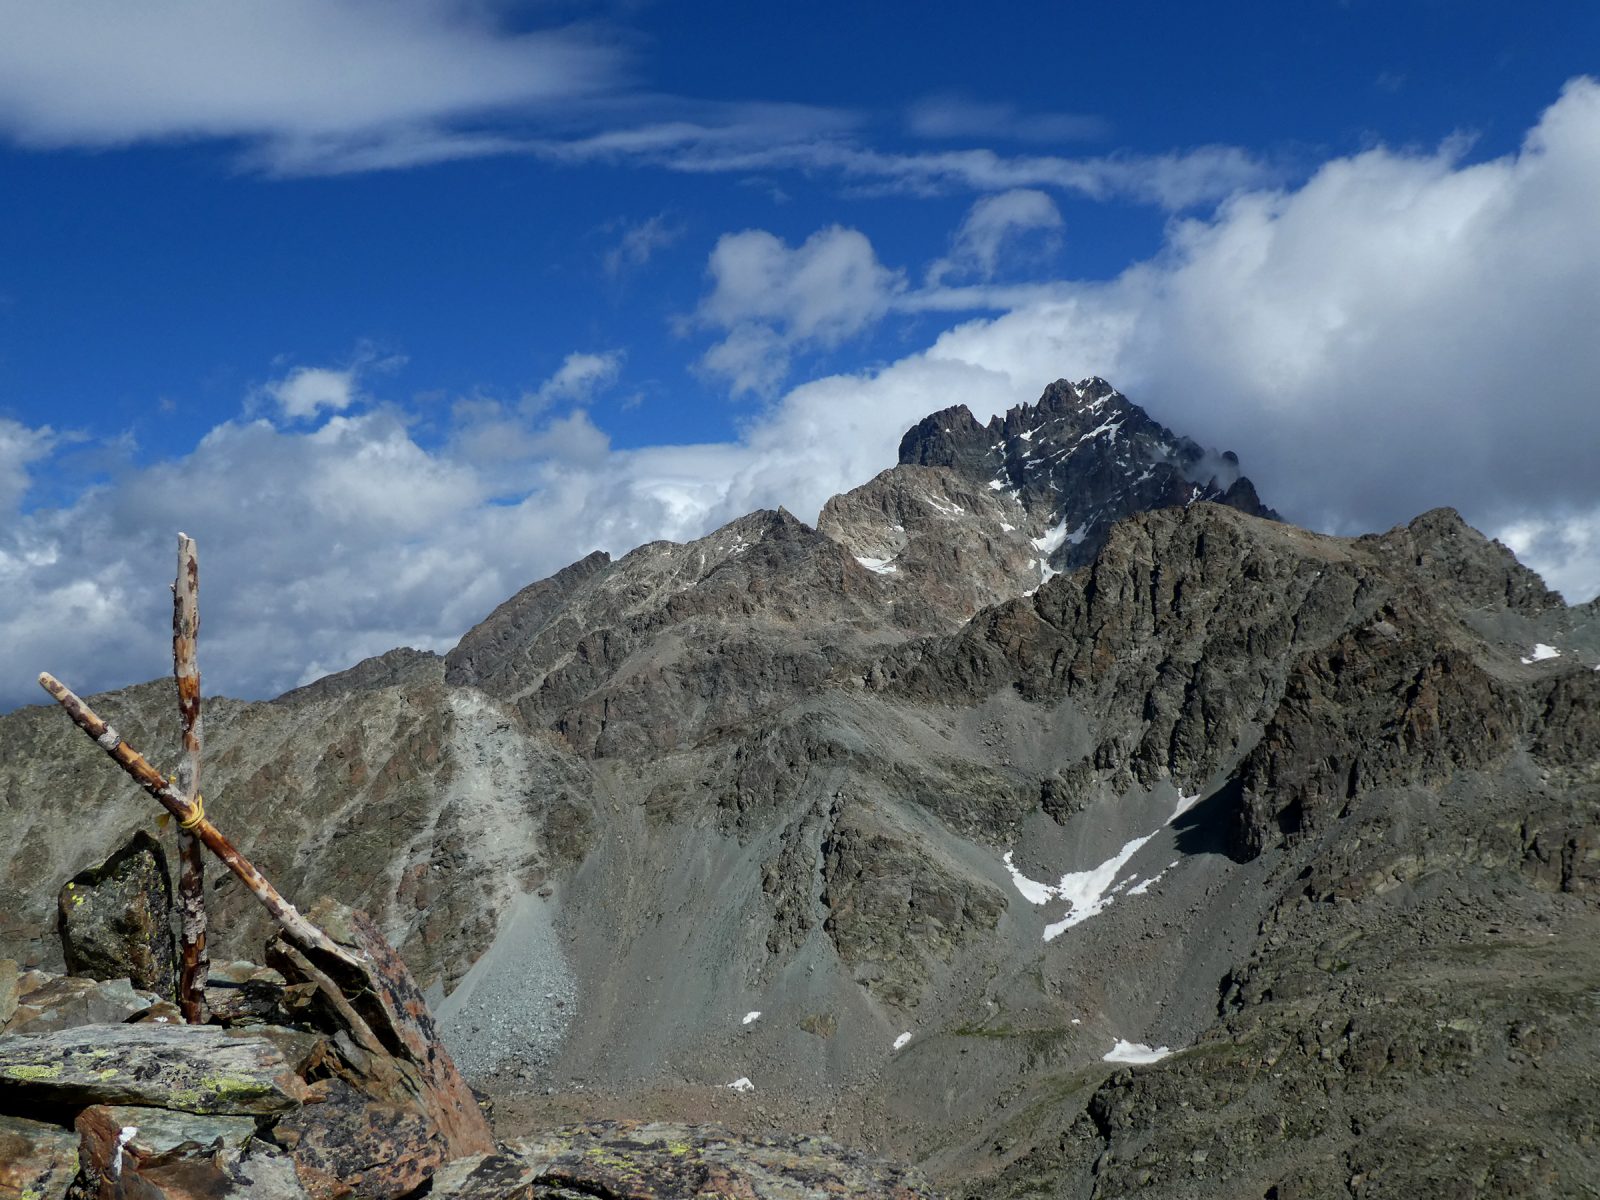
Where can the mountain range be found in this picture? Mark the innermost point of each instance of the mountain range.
(1051, 815)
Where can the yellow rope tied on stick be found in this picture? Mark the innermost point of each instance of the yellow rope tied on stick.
(197, 815)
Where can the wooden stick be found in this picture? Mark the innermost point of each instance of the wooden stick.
(371, 990)
(301, 931)
(194, 965)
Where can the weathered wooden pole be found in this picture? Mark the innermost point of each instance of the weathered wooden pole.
(192, 818)
(193, 964)
(363, 978)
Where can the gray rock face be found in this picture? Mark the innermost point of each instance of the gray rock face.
(942, 546)
(196, 1070)
(36, 1158)
(658, 1161)
(1415, 1018)
(10, 989)
(1459, 566)
(955, 823)
(498, 646)
(1310, 669)
(46, 1003)
(395, 668)
(116, 919)
(641, 656)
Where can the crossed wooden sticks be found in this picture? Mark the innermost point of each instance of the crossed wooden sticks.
(180, 796)
(361, 976)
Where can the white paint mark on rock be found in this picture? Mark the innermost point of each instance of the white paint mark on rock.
(900, 1041)
(742, 1084)
(749, 1017)
(129, 1132)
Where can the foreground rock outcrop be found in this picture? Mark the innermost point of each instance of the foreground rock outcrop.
(161, 1111)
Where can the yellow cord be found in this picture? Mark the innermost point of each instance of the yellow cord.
(196, 816)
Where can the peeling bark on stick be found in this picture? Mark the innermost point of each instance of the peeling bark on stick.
(193, 965)
(302, 931)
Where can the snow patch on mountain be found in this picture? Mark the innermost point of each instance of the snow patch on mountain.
(1057, 535)
(1135, 1052)
(1092, 891)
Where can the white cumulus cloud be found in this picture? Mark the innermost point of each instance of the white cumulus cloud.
(771, 298)
(306, 391)
(578, 378)
(1402, 331)
(19, 447)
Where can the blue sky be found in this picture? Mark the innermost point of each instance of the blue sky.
(399, 306)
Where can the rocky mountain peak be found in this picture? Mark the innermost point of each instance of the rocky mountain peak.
(1459, 562)
(938, 439)
(1079, 459)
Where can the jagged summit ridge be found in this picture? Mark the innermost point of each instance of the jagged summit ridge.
(1078, 460)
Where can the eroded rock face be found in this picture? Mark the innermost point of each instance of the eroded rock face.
(46, 1003)
(10, 989)
(659, 1161)
(36, 1159)
(1459, 565)
(501, 647)
(895, 909)
(189, 1069)
(1399, 1029)
(1386, 705)
(943, 545)
(1312, 668)
(116, 919)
